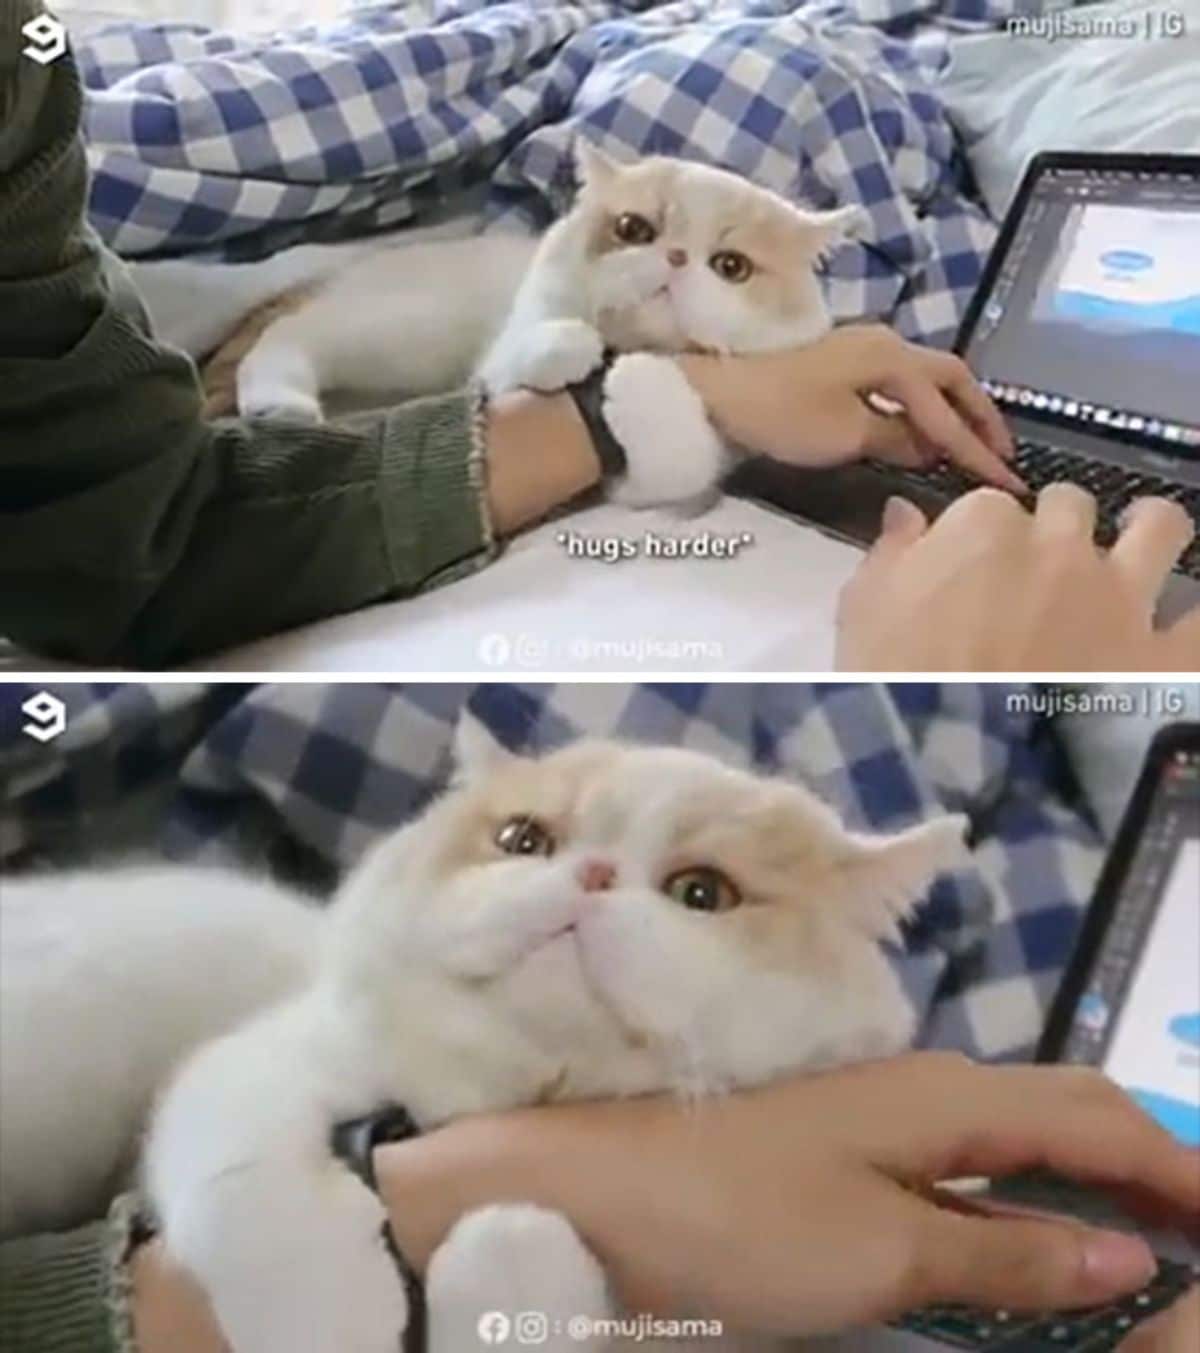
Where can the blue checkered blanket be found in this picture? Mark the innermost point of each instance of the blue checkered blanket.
(302, 778)
(200, 140)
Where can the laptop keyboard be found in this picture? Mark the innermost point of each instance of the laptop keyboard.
(1114, 489)
(1093, 1331)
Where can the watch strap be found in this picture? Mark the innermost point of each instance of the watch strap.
(588, 395)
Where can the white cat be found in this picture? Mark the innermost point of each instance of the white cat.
(658, 256)
(605, 921)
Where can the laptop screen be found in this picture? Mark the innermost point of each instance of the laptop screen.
(1093, 317)
(1138, 1016)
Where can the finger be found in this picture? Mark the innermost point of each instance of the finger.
(1175, 1330)
(902, 526)
(1065, 511)
(1076, 1123)
(1153, 536)
(1024, 1263)
(974, 403)
(936, 420)
(892, 440)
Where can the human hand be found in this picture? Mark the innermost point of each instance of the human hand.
(991, 587)
(1175, 1330)
(813, 1205)
(809, 406)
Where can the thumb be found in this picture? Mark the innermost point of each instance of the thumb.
(1026, 1262)
(903, 525)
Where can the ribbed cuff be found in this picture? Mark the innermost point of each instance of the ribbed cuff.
(433, 487)
(69, 1292)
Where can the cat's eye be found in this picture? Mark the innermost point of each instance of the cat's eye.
(630, 228)
(702, 888)
(524, 836)
(731, 266)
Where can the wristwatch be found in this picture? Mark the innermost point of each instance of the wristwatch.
(588, 395)
(354, 1143)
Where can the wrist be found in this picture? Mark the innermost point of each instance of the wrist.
(539, 458)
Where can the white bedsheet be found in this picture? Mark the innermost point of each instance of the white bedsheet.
(770, 608)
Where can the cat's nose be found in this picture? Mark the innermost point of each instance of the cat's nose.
(596, 876)
(677, 258)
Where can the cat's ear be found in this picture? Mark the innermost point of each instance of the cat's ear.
(593, 168)
(476, 751)
(882, 878)
(821, 231)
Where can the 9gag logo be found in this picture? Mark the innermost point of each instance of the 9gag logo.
(47, 717)
(47, 40)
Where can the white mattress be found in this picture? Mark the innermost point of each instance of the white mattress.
(769, 609)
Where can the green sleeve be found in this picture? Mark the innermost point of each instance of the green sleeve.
(132, 531)
(68, 1292)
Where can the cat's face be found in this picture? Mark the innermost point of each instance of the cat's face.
(644, 918)
(681, 256)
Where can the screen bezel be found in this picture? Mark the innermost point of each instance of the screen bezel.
(1176, 737)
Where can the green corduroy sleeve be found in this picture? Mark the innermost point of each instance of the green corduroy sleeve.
(68, 1292)
(132, 532)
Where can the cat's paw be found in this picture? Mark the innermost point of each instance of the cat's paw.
(298, 1268)
(301, 410)
(557, 353)
(520, 1269)
(675, 456)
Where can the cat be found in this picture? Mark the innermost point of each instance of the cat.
(658, 256)
(606, 920)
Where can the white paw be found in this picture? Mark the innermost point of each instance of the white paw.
(520, 1269)
(557, 353)
(675, 456)
(301, 1268)
(282, 407)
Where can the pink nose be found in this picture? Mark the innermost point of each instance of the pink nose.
(596, 876)
(677, 258)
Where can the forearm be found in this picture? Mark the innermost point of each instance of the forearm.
(138, 534)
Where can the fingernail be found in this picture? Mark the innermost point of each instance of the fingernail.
(896, 512)
(1117, 1263)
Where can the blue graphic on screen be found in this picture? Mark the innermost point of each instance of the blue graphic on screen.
(1179, 1116)
(1132, 268)
(1155, 1048)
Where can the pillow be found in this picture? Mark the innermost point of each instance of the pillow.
(1107, 748)
(1102, 77)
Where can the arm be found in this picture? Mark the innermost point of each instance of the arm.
(136, 532)
(837, 1164)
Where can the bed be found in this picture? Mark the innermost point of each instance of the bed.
(234, 146)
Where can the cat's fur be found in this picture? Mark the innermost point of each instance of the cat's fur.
(520, 312)
(455, 978)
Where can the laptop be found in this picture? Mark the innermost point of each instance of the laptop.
(1085, 330)
(1129, 1003)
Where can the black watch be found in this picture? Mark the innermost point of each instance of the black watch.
(588, 395)
(354, 1143)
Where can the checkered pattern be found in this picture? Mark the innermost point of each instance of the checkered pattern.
(201, 140)
(303, 778)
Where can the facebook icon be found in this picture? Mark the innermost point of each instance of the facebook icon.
(494, 1327)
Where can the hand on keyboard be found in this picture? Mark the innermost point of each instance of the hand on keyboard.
(1114, 487)
(992, 587)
